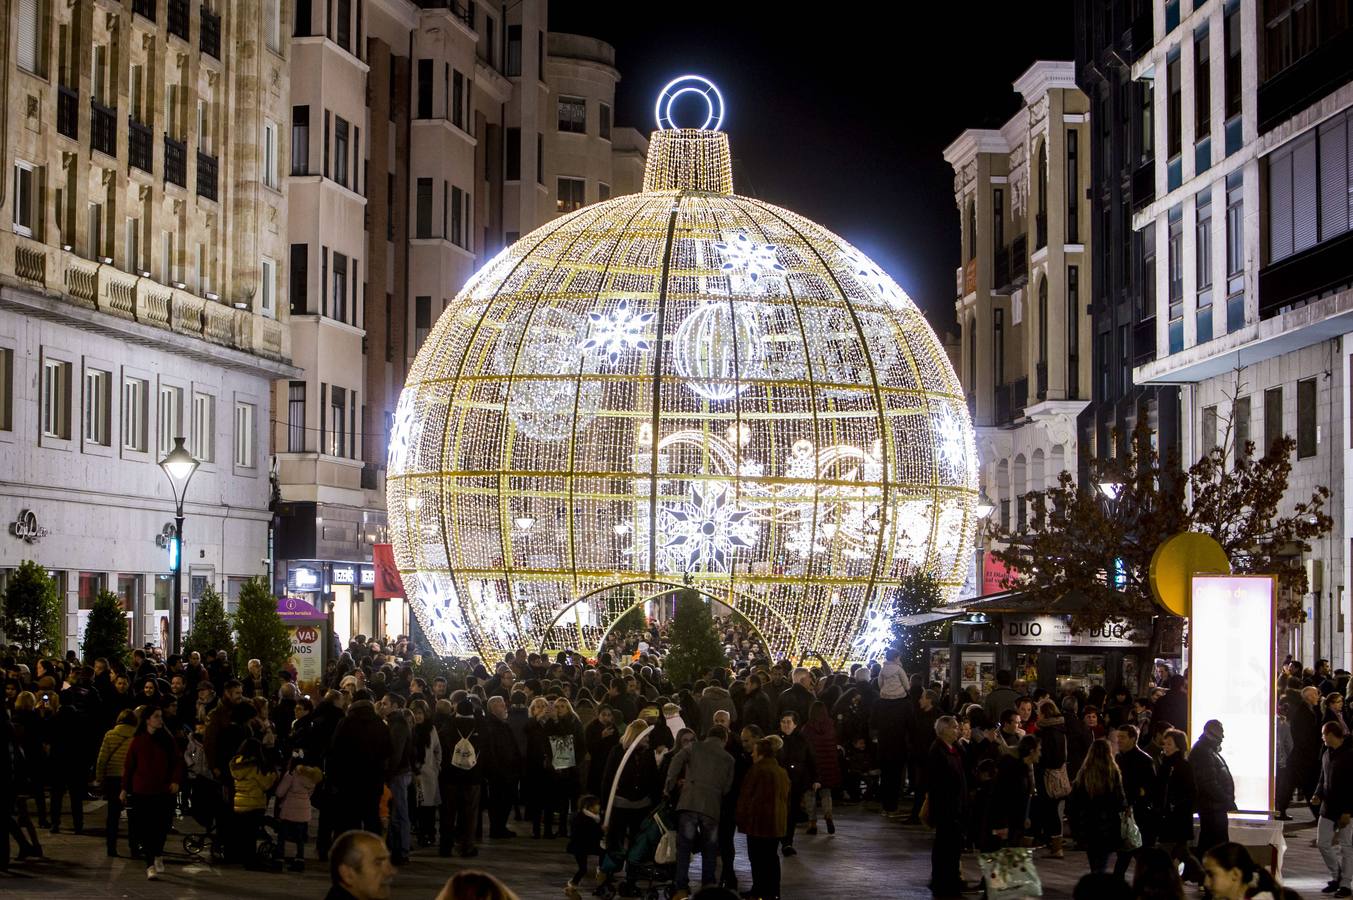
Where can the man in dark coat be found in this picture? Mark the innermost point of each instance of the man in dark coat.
(756, 707)
(796, 758)
(1174, 706)
(1304, 760)
(1216, 790)
(398, 773)
(1139, 781)
(947, 788)
(460, 779)
(356, 767)
(502, 766)
(920, 727)
(1334, 830)
(798, 698)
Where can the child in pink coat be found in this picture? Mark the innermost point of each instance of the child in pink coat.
(293, 809)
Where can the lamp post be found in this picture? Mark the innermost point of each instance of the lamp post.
(179, 465)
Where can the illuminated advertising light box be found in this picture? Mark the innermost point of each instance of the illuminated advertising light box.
(1231, 675)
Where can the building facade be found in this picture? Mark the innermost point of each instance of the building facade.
(139, 296)
(1245, 236)
(424, 138)
(1024, 349)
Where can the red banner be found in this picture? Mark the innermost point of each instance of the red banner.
(388, 583)
(996, 576)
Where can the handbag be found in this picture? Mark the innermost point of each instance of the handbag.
(666, 853)
(1132, 835)
(1010, 873)
(1056, 784)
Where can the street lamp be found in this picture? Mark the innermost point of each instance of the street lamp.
(179, 465)
(984, 507)
(1110, 489)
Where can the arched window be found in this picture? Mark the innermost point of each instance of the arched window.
(972, 229)
(1043, 319)
(1042, 178)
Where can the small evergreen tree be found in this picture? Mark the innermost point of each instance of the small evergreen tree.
(917, 593)
(211, 627)
(32, 611)
(106, 630)
(260, 632)
(694, 646)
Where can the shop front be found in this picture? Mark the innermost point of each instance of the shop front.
(1040, 650)
(346, 590)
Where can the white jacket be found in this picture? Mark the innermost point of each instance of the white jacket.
(426, 774)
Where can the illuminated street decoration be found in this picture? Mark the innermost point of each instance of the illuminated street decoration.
(678, 384)
(690, 84)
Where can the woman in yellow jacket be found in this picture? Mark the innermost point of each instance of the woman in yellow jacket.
(108, 771)
(253, 776)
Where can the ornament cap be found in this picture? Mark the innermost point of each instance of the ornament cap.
(689, 159)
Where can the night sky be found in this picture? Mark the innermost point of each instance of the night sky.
(840, 111)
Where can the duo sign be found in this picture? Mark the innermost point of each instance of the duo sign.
(1055, 631)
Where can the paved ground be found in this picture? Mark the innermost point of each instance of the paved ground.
(867, 857)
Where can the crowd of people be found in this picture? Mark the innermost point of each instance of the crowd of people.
(635, 771)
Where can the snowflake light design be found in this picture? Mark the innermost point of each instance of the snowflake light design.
(950, 440)
(746, 262)
(872, 277)
(401, 433)
(875, 635)
(618, 330)
(704, 532)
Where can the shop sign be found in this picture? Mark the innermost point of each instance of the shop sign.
(26, 528)
(303, 578)
(368, 576)
(996, 575)
(345, 574)
(1055, 631)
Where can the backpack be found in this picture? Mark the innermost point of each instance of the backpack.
(463, 755)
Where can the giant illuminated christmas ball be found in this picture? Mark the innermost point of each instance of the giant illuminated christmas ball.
(680, 385)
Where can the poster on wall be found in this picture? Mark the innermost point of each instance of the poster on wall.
(939, 666)
(306, 626)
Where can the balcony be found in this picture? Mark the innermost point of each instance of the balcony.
(103, 128)
(1306, 275)
(1012, 266)
(1003, 416)
(140, 148)
(178, 18)
(1011, 399)
(371, 477)
(1144, 341)
(1041, 373)
(1305, 81)
(1041, 230)
(175, 162)
(209, 34)
(145, 8)
(206, 176)
(68, 111)
(454, 7)
(1143, 184)
(1019, 397)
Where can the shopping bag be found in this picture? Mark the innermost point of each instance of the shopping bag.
(1056, 784)
(1132, 835)
(1010, 873)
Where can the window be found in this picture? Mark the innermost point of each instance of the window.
(1273, 417)
(134, 392)
(1293, 186)
(1336, 174)
(1307, 433)
(300, 287)
(1231, 84)
(513, 149)
(270, 154)
(272, 22)
(323, 280)
(244, 435)
(457, 224)
(1175, 261)
(203, 271)
(6, 389)
(1073, 336)
(341, 150)
(1202, 85)
(267, 287)
(998, 222)
(604, 120)
(540, 158)
(204, 427)
(338, 402)
(423, 209)
(1294, 29)
(1175, 106)
(972, 230)
(300, 140)
(296, 417)
(1124, 366)
(603, 191)
(1235, 235)
(489, 44)
(91, 585)
(1146, 133)
(171, 417)
(570, 194)
(56, 399)
(97, 240)
(167, 257)
(1203, 240)
(326, 143)
(1072, 186)
(1043, 319)
(27, 209)
(573, 115)
(303, 17)
(422, 321)
(1105, 365)
(1240, 424)
(340, 302)
(458, 100)
(1208, 438)
(512, 64)
(98, 407)
(424, 89)
(344, 30)
(998, 345)
(31, 46)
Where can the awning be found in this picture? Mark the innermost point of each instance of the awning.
(930, 618)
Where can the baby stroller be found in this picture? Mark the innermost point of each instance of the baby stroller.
(203, 798)
(645, 876)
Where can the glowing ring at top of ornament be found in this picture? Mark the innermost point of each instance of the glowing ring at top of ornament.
(689, 84)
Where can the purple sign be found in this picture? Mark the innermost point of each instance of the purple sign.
(293, 609)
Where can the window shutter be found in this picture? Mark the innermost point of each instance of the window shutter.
(1280, 206)
(1305, 186)
(1333, 179)
(27, 55)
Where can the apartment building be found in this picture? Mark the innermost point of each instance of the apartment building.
(141, 246)
(1024, 349)
(424, 138)
(1244, 219)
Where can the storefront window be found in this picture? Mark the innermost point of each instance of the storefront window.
(91, 583)
(979, 671)
(129, 591)
(1079, 670)
(939, 666)
(164, 589)
(1024, 666)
